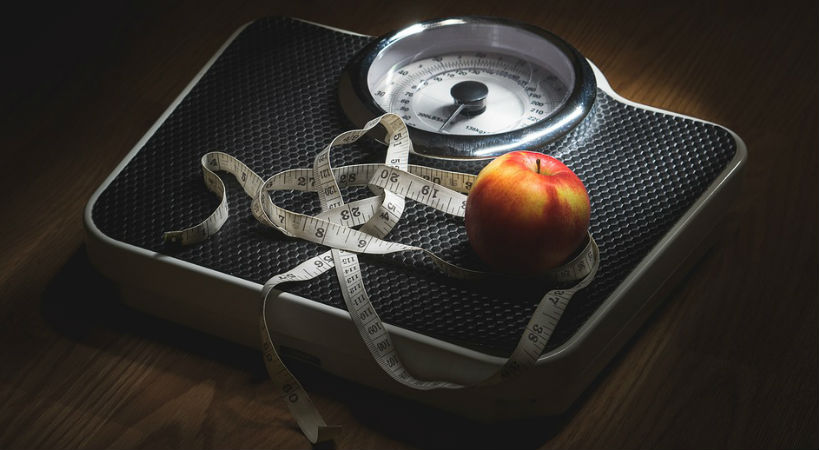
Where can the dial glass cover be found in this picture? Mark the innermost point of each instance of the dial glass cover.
(471, 87)
(519, 92)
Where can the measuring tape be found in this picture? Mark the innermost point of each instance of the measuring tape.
(392, 183)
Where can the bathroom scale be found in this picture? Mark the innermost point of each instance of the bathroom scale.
(464, 91)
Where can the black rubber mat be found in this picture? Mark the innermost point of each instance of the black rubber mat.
(270, 100)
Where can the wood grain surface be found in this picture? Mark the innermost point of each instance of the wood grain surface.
(728, 361)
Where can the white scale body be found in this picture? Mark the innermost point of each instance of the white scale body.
(227, 306)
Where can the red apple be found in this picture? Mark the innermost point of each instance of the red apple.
(526, 213)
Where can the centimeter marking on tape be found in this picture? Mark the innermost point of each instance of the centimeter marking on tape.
(393, 182)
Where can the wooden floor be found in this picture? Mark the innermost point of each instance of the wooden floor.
(728, 361)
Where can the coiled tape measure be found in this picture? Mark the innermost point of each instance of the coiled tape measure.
(393, 183)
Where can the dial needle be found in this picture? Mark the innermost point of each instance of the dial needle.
(452, 116)
(468, 95)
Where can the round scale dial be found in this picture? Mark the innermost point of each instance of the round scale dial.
(471, 87)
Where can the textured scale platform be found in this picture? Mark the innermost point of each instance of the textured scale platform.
(270, 100)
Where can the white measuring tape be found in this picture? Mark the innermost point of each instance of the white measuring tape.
(392, 182)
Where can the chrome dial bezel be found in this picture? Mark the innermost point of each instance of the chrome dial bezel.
(358, 103)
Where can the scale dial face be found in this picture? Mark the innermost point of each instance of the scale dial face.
(471, 87)
(518, 93)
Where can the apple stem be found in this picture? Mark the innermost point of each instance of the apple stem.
(538, 165)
